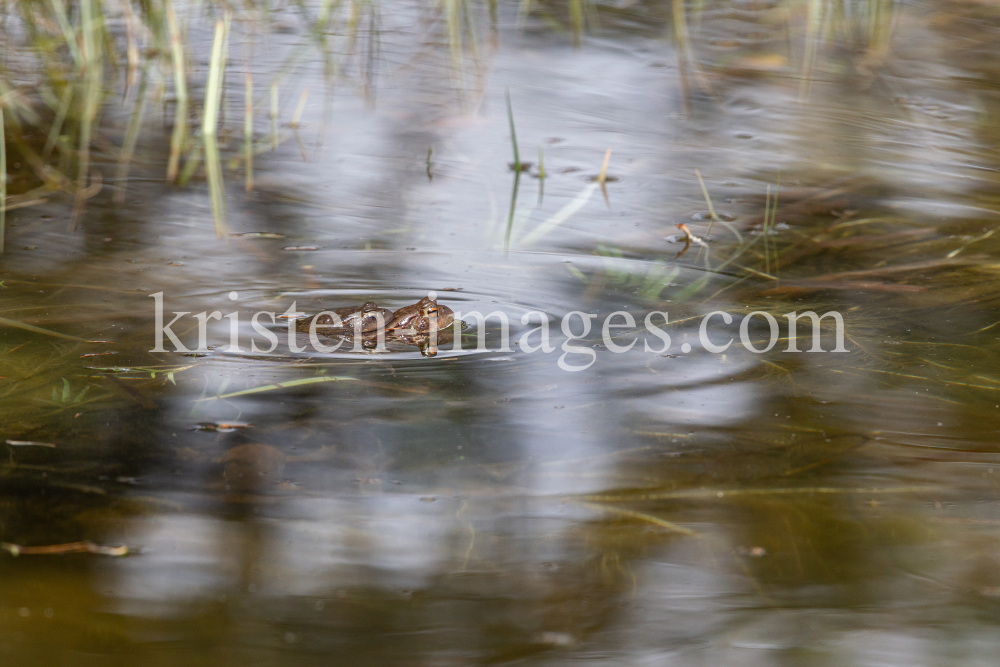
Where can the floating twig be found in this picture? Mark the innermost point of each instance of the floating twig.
(60, 549)
(29, 443)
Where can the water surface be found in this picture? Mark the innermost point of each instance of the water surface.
(487, 507)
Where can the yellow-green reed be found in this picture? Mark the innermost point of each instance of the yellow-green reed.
(814, 19)
(131, 46)
(57, 124)
(576, 21)
(274, 115)
(523, 9)
(179, 137)
(453, 10)
(210, 120)
(131, 137)
(708, 201)
(541, 173)
(191, 164)
(299, 108)
(681, 42)
(767, 216)
(774, 215)
(685, 55)
(69, 34)
(92, 20)
(470, 30)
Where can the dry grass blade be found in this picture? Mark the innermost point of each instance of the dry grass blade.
(860, 285)
(641, 516)
(897, 268)
(707, 494)
(603, 176)
(279, 385)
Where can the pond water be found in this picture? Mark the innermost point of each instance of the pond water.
(473, 506)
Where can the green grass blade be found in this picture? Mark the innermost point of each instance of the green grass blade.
(279, 385)
(513, 134)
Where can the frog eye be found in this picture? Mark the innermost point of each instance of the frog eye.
(432, 310)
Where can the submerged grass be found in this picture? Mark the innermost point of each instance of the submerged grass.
(3, 180)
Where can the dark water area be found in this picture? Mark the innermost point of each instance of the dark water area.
(465, 506)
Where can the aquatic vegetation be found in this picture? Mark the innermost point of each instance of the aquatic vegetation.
(81, 48)
(647, 283)
(55, 123)
(3, 181)
(66, 396)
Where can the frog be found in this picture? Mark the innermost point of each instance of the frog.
(421, 317)
(365, 316)
(423, 342)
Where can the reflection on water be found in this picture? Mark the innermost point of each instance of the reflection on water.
(479, 506)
